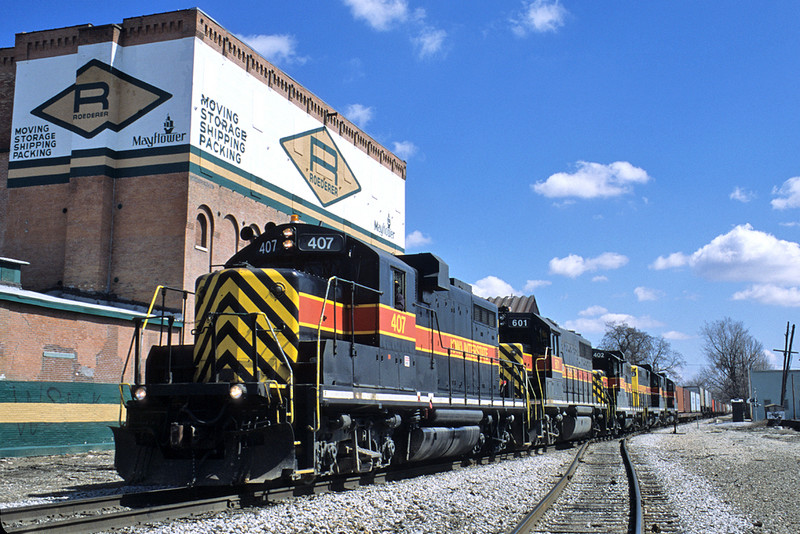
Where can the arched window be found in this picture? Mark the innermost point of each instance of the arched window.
(233, 230)
(201, 231)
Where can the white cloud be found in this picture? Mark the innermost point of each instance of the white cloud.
(674, 260)
(385, 15)
(531, 285)
(492, 286)
(600, 278)
(774, 359)
(539, 16)
(771, 295)
(674, 335)
(595, 318)
(429, 42)
(645, 294)
(789, 194)
(593, 180)
(573, 265)
(404, 149)
(359, 114)
(417, 239)
(592, 311)
(279, 49)
(379, 14)
(742, 195)
(747, 255)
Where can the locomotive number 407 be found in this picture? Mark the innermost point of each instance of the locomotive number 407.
(268, 247)
(319, 243)
(399, 323)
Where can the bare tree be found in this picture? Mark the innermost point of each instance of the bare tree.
(639, 347)
(731, 353)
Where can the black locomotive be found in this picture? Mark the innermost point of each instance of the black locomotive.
(316, 353)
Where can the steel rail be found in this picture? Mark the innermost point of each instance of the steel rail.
(530, 520)
(637, 506)
(636, 518)
(76, 507)
(176, 503)
(96, 523)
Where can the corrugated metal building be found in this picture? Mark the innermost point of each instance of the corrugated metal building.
(765, 389)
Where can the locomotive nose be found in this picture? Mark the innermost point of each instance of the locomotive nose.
(249, 329)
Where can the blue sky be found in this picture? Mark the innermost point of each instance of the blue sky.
(622, 161)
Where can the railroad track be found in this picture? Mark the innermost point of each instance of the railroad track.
(659, 515)
(115, 511)
(598, 493)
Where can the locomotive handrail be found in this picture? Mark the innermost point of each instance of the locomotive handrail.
(539, 380)
(434, 316)
(140, 324)
(332, 279)
(163, 289)
(524, 381)
(285, 361)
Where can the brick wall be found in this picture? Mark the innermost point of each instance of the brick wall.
(35, 344)
(35, 231)
(3, 197)
(8, 76)
(148, 246)
(88, 233)
(8, 72)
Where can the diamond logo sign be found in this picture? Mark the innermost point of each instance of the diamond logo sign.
(102, 97)
(318, 159)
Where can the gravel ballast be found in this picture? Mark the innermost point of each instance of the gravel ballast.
(728, 477)
(723, 477)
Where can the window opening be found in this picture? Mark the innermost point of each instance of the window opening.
(399, 289)
(201, 232)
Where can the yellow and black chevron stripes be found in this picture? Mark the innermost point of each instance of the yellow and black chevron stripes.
(512, 368)
(229, 303)
(598, 388)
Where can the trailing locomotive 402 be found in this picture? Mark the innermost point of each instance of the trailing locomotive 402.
(316, 353)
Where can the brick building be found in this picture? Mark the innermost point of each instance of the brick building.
(132, 155)
(137, 152)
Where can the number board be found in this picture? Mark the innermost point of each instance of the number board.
(517, 322)
(320, 242)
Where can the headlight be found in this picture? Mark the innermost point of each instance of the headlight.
(236, 392)
(140, 393)
(288, 232)
(288, 244)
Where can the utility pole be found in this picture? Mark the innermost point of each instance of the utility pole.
(787, 359)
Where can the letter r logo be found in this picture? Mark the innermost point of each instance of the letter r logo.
(87, 93)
